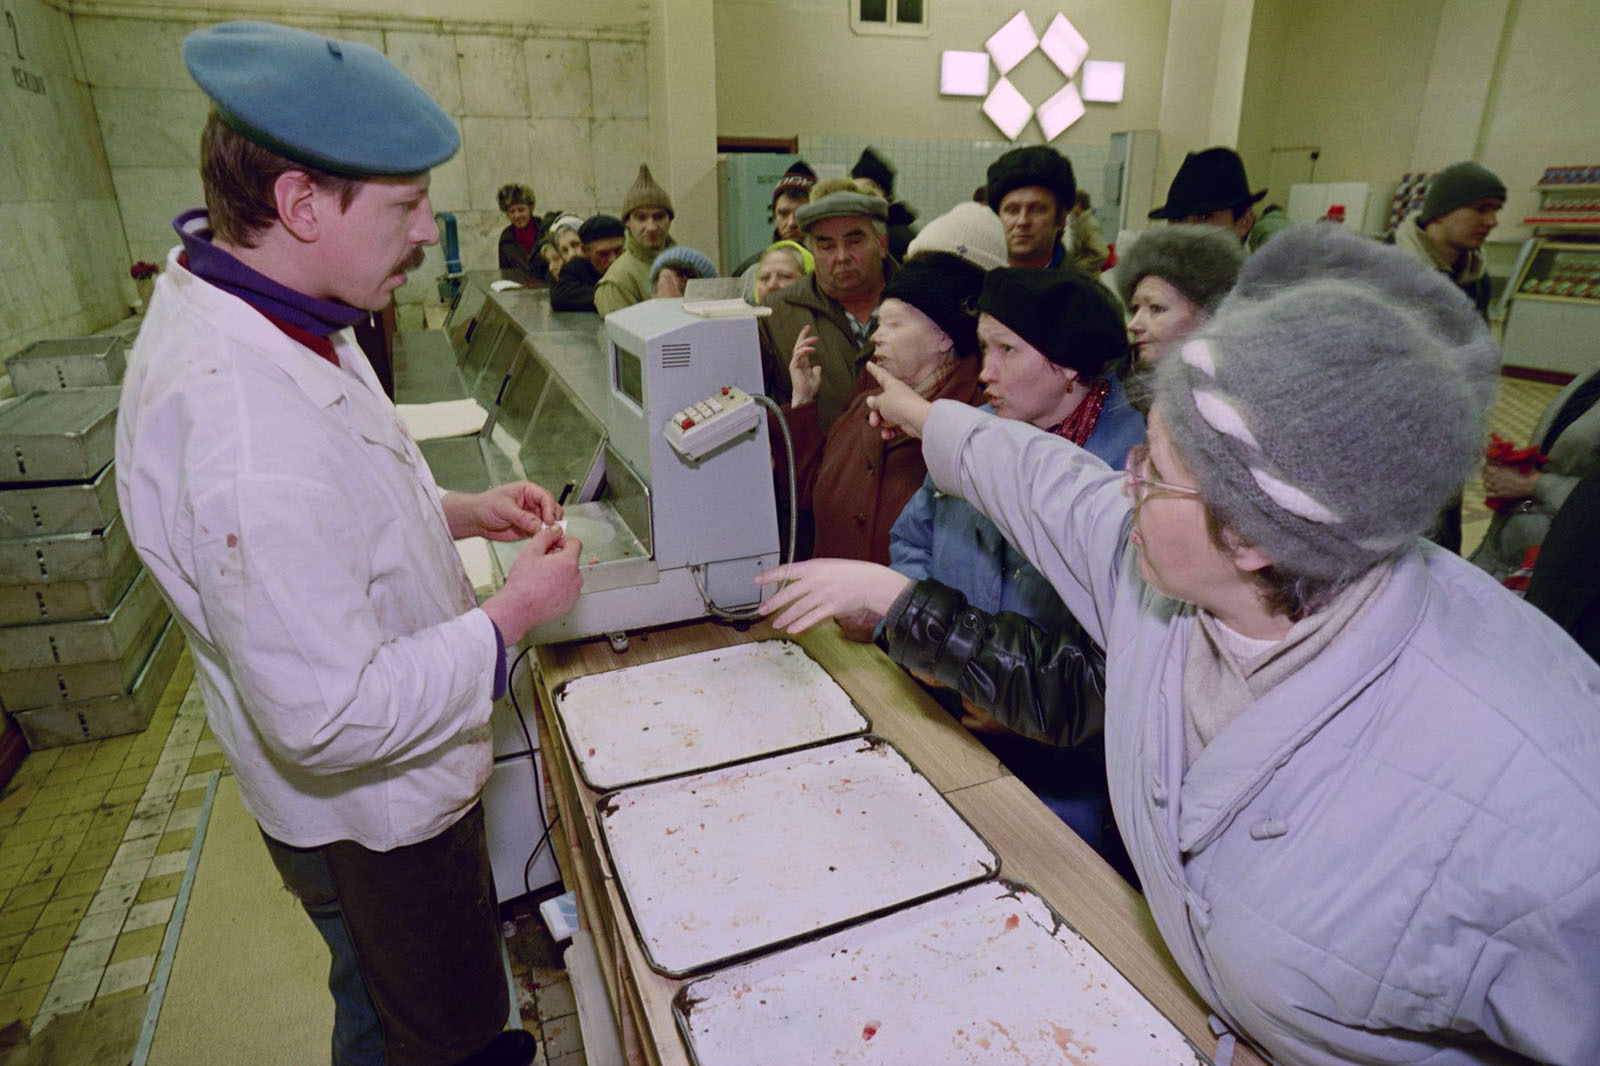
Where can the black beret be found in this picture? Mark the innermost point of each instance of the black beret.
(599, 227)
(1063, 314)
(944, 287)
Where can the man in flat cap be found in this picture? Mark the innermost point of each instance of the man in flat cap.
(292, 524)
(647, 214)
(1031, 188)
(1459, 211)
(1211, 189)
(830, 311)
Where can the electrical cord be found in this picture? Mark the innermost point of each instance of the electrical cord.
(745, 614)
(533, 757)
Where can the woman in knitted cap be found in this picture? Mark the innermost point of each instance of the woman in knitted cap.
(852, 481)
(1172, 281)
(676, 267)
(781, 264)
(1365, 829)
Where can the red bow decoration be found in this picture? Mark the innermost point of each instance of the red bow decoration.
(1526, 460)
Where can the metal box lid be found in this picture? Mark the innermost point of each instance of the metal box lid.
(67, 363)
(65, 435)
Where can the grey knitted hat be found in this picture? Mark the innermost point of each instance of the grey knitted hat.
(684, 260)
(1457, 185)
(1202, 262)
(1335, 402)
(969, 230)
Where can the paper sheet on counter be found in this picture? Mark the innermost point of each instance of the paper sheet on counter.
(476, 557)
(446, 418)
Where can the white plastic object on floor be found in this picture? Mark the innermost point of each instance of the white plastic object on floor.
(560, 914)
(595, 1020)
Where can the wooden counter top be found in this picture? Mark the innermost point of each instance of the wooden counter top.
(1034, 846)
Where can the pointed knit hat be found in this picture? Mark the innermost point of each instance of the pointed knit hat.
(644, 192)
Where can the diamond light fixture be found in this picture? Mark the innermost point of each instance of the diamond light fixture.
(1011, 43)
(967, 74)
(1008, 109)
(1102, 81)
(1060, 111)
(964, 73)
(1064, 45)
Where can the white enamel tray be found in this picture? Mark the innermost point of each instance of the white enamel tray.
(988, 974)
(703, 710)
(717, 866)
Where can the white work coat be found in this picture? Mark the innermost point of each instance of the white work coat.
(297, 533)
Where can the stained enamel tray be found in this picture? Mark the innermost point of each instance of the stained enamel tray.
(988, 974)
(715, 867)
(699, 711)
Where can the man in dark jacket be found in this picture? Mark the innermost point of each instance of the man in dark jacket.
(874, 171)
(1031, 188)
(573, 289)
(1458, 213)
(1210, 189)
(837, 303)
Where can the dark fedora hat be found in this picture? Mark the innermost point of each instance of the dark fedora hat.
(1207, 181)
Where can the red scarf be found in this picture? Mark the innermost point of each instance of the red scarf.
(1077, 426)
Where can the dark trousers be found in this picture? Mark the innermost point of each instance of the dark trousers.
(416, 929)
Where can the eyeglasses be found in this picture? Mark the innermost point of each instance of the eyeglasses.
(1139, 488)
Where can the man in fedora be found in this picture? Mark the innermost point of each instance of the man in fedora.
(1210, 188)
(347, 670)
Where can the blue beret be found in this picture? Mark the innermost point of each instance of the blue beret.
(336, 105)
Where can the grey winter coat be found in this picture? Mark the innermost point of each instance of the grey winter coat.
(1394, 855)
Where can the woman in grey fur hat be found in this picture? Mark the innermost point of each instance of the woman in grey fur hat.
(1171, 282)
(1365, 828)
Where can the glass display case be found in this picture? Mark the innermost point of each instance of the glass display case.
(1552, 303)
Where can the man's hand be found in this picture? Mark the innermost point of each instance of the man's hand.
(512, 511)
(805, 377)
(543, 585)
(897, 407)
(856, 592)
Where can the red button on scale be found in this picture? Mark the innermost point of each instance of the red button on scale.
(724, 390)
(686, 423)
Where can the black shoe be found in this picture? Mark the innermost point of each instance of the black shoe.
(514, 1047)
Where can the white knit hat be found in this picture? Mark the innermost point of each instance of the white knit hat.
(969, 230)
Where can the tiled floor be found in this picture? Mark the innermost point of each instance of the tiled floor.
(94, 839)
(94, 842)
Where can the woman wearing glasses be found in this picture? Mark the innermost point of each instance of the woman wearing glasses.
(1364, 838)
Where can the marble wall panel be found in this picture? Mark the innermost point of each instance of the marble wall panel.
(558, 78)
(103, 295)
(619, 80)
(150, 197)
(39, 43)
(563, 170)
(80, 158)
(431, 59)
(619, 145)
(448, 188)
(494, 76)
(497, 150)
(134, 53)
(151, 127)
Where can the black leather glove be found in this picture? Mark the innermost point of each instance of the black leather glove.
(1044, 684)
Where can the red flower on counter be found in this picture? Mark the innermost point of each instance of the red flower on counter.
(142, 270)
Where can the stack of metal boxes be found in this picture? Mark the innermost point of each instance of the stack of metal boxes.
(87, 644)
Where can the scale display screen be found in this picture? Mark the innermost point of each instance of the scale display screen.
(627, 374)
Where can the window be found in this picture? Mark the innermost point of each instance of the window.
(899, 17)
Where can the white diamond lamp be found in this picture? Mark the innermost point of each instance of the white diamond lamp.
(1007, 109)
(1064, 45)
(964, 73)
(1102, 81)
(1012, 42)
(1060, 111)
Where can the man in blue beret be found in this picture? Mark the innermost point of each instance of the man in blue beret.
(272, 492)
